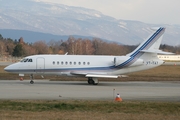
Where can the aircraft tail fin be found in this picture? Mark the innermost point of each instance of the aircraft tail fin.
(151, 44)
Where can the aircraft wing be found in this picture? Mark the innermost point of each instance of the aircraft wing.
(99, 75)
(78, 73)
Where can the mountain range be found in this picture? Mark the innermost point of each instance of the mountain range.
(46, 21)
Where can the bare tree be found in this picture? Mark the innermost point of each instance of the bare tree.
(41, 47)
(54, 46)
(88, 48)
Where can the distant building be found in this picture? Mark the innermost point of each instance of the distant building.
(169, 57)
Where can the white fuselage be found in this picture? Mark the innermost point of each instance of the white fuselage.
(69, 65)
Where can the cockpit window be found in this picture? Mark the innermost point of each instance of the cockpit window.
(30, 60)
(26, 60)
(22, 60)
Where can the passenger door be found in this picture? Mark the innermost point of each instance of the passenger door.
(40, 65)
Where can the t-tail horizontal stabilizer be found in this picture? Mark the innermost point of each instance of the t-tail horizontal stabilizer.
(157, 51)
(151, 44)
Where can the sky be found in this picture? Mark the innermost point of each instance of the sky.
(148, 11)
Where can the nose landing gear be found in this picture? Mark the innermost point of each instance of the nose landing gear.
(31, 77)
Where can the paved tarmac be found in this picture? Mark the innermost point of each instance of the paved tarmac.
(80, 90)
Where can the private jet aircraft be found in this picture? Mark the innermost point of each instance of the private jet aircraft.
(93, 66)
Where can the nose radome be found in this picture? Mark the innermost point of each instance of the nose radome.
(7, 68)
(10, 67)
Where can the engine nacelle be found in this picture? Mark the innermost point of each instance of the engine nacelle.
(122, 59)
(119, 60)
(138, 62)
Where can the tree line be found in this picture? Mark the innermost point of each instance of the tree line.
(73, 46)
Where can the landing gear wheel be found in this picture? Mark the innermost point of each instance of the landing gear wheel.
(31, 77)
(32, 82)
(90, 81)
(93, 81)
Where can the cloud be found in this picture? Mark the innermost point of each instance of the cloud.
(149, 11)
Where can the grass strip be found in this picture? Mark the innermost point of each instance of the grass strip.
(92, 106)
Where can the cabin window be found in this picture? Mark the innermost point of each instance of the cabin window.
(79, 63)
(53, 63)
(70, 63)
(58, 62)
(66, 63)
(84, 63)
(62, 63)
(74, 63)
(88, 63)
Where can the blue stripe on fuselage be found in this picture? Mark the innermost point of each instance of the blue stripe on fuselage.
(92, 69)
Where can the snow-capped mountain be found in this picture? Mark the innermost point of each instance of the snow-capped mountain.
(60, 19)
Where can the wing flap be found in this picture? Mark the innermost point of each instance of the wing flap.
(105, 76)
(101, 76)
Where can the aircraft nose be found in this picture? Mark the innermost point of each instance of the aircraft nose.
(7, 68)
(12, 68)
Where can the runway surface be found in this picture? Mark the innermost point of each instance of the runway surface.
(80, 90)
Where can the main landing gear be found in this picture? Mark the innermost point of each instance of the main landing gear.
(31, 77)
(93, 81)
